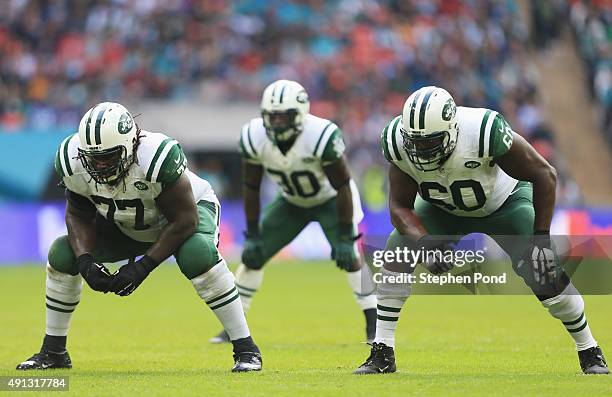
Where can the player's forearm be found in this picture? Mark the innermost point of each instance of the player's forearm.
(251, 207)
(81, 234)
(544, 188)
(406, 222)
(171, 238)
(344, 204)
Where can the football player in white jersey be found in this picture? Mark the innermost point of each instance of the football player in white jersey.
(129, 193)
(459, 170)
(304, 155)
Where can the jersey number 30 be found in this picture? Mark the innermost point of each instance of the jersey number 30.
(303, 183)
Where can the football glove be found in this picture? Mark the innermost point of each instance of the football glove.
(538, 262)
(252, 253)
(344, 253)
(130, 276)
(435, 250)
(97, 276)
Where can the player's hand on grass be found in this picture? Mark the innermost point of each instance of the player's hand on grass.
(97, 276)
(252, 253)
(435, 249)
(130, 276)
(345, 252)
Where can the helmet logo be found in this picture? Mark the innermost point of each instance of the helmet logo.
(125, 123)
(140, 185)
(302, 97)
(449, 110)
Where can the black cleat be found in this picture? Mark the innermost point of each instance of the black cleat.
(370, 316)
(247, 362)
(381, 361)
(223, 337)
(593, 362)
(46, 360)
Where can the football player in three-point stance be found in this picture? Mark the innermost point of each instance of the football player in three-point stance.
(129, 193)
(473, 174)
(304, 155)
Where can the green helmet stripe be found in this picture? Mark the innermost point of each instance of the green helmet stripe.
(396, 151)
(99, 124)
(483, 126)
(282, 93)
(413, 108)
(88, 126)
(423, 108)
(158, 153)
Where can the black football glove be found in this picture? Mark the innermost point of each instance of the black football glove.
(344, 253)
(436, 262)
(97, 276)
(130, 276)
(253, 253)
(538, 264)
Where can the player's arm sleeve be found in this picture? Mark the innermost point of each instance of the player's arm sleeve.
(173, 166)
(246, 147)
(500, 138)
(334, 149)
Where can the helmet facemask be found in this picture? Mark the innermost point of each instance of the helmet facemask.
(282, 127)
(107, 166)
(427, 152)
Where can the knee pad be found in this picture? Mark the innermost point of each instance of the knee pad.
(197, 255)
(215, 282)
(62, 258)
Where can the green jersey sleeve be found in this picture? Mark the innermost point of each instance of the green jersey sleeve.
(173, 166)
(500, 138)
(334, 149)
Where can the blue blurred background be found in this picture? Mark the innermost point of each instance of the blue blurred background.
(195, 70)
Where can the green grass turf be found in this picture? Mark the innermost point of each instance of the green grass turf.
(310, 331)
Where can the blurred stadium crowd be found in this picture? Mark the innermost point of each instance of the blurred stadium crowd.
(359, 59)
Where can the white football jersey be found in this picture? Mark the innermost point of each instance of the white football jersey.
(469, 183)
(130, 204)
(299, 172)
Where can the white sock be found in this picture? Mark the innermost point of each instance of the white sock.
(248, 282)
(568, 307)
(363, 288)
(63, 293)
(218, 290)
(387, 315)
(390, 299)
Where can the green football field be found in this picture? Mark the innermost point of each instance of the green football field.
(310, 331)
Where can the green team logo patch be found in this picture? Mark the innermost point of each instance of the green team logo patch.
(449, 110)
(472, 164)
(125, 123)
(140, 185)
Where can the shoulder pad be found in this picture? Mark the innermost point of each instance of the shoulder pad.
(390, 140)
(65, 157)
(252, 137)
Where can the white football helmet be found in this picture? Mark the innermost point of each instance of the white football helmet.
(107, 134)
(284, 105)
(429, 127)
